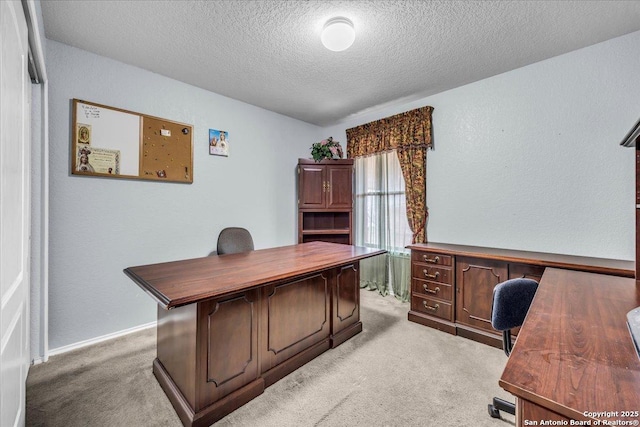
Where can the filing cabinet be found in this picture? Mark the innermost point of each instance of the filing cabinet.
(432, 279)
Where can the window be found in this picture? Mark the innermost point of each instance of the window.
(381, 222)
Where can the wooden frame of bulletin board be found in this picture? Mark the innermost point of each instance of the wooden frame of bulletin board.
(115, 143)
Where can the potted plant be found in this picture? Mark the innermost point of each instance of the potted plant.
(326, 149)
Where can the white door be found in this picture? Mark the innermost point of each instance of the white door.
(15, 87)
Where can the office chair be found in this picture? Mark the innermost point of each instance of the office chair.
(511, 302)
(233, 240)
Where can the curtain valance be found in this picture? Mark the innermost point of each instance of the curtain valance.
(409, 134)
(398, 132)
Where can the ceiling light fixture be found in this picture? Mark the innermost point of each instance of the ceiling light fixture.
(338, 34)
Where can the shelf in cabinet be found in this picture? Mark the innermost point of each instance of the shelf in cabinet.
(329, 231)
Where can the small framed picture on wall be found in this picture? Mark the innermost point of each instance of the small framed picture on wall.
(218, 142)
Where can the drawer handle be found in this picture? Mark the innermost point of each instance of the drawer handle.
(434, 291)
(431, 276)
(428, 307)
(431, 260)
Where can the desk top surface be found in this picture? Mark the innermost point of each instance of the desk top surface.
(570, 262)
(178, 283)
(574, 352)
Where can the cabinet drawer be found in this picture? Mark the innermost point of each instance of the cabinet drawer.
(431, 307)
(432, 289)
(433, 274)
(431, 258)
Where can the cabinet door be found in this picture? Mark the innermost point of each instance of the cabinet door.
(295, 316)
(346, 298)
(227, 346)
(339, 186)
(526, 271)
(312, 186)
(475, 280)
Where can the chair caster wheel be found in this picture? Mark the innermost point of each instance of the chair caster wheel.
(493, 411)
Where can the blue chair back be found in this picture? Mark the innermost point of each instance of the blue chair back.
(511, 302)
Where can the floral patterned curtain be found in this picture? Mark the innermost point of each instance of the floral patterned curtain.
(408, 133)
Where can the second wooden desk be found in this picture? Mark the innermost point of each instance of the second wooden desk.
(231, 325)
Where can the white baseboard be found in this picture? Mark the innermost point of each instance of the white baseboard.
(95, 340)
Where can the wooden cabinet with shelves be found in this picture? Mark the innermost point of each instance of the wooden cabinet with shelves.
(325, 201)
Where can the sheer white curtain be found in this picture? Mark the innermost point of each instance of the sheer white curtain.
(381, 222)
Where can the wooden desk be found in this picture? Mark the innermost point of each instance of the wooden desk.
(231, 325)
(574, 356)
(452, 285)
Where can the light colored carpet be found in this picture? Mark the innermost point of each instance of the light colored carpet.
(394, 373)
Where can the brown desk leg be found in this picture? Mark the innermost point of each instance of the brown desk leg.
(529, 411)
(211, 413)
(345, 334)
(345, 321)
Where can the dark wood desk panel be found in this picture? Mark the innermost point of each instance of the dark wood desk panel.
(231, 325)
(178, 283)
(574, 352)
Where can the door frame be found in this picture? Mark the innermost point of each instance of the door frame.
(40, 241)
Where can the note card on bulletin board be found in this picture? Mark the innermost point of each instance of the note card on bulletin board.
(115, 143)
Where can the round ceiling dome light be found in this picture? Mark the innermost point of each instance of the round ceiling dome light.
(338, 34)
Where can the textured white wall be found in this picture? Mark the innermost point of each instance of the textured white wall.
(530, 159)
(101, 226)
(525, 160)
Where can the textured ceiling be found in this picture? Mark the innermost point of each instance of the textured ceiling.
(268, 53)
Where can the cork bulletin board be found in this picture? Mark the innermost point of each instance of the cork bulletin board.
(115, 143)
